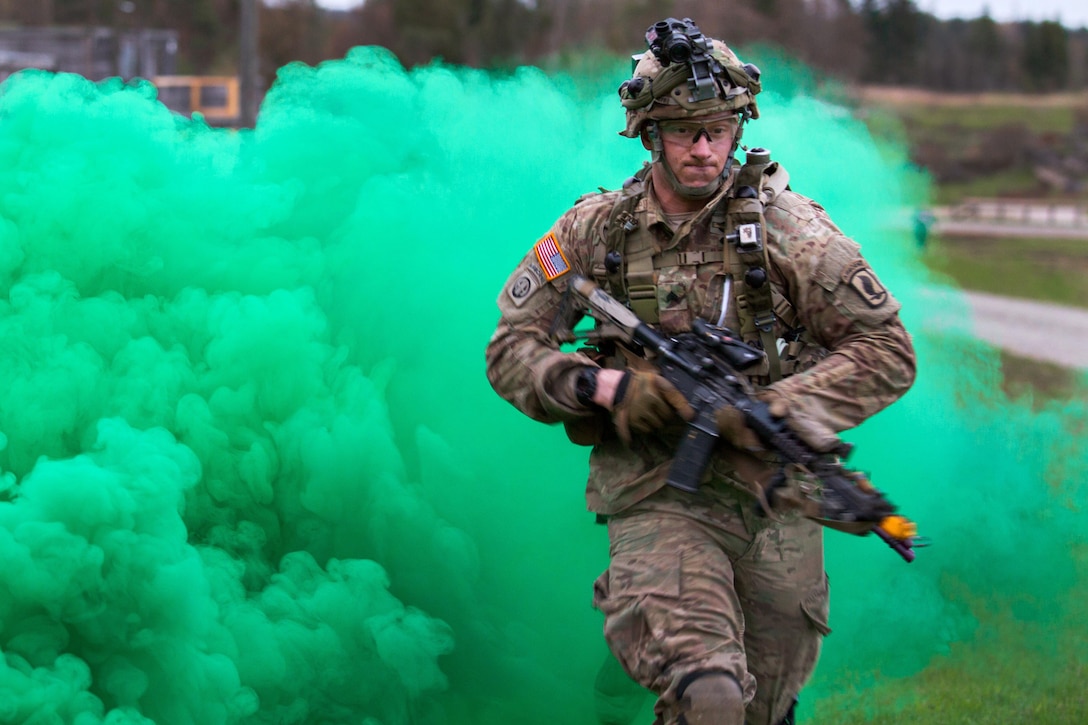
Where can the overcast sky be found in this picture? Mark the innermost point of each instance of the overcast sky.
(1071, 13)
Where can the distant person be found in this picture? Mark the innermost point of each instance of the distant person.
(717, 610)
(923, 220)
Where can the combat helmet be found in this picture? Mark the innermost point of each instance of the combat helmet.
(684, 74)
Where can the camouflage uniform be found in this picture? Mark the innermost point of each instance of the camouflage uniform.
(700, 582)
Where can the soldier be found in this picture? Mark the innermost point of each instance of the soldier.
(715, 607)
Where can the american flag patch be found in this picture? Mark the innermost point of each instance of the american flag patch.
(551, 257)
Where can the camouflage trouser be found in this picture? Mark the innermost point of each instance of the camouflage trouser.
(699, 582)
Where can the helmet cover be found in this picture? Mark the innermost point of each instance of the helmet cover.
(666, 92)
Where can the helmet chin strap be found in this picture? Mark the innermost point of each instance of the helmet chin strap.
(685, 190)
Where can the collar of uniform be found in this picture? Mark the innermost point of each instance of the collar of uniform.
(655, 215)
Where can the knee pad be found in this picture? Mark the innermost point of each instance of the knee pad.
(711, 698)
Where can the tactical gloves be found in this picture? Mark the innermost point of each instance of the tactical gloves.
(645, 401)
(733, 428)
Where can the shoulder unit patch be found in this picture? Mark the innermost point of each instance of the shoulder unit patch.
(551, 257)
(524, 285)
(864, 281)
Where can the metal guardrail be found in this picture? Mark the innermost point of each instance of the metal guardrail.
(1033, 212)
(1005, 218)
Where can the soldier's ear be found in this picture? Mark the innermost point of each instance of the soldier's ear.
(647, 142)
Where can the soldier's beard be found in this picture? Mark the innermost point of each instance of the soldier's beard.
(688, 191)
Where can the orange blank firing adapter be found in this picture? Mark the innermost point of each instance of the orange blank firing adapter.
(899, 527)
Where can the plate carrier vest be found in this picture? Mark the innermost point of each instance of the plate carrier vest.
(625, 263)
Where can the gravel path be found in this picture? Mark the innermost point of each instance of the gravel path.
(1037, 330)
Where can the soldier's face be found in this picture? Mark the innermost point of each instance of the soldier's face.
(697, 151)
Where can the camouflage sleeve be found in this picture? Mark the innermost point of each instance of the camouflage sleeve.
(525, 364)
(847, 310)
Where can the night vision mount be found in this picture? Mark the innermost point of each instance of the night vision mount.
(681, 41)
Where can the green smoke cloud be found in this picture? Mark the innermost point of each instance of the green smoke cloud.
(253, 472)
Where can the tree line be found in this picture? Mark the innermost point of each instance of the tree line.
(874, 41)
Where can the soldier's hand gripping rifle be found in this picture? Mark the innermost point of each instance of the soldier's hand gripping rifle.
(705, 366)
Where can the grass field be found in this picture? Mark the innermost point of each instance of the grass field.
(980, 145)
(1040, 381)
(1017, 181)
(1023, 672)
(1047, 269)
(925, 113)
(1053, 270)
(1020, 672)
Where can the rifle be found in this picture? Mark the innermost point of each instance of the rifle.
(705, 366)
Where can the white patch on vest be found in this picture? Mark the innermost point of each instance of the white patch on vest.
(748, 236)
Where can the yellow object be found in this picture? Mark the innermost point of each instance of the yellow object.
(216, 97)
(899, 527)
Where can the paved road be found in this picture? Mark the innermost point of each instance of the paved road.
(1037, 330)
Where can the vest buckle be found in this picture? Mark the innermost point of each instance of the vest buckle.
(765, 321)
